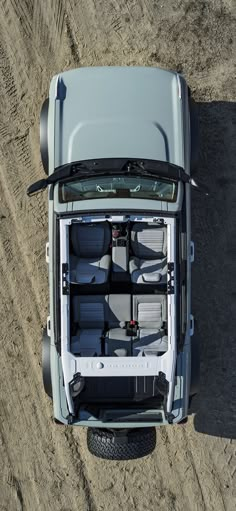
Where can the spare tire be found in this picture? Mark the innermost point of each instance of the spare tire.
(44, 135)
(46, 364)
(135, 443)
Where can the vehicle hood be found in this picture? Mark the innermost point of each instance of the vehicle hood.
(116, 112)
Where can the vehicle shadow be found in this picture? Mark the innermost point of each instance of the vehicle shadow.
(214, 270)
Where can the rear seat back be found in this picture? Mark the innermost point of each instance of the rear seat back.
(149, 310)
(118, 310)
(89, 311)
(98, 311)
(98, 315)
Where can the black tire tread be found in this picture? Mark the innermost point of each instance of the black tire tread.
(141, 443)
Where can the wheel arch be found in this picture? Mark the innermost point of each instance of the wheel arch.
(44, 135)
(46, 363)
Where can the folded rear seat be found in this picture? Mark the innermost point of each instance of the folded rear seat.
(90, 263)
(97, 318)
(149, 246)
(89, 321)
(117, 343)
(150, 313)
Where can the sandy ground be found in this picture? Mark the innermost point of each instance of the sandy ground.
(46, 467)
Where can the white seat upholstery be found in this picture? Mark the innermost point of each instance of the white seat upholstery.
(150, 313)
(149, 245)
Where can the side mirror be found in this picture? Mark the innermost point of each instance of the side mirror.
(36, 187)
(199, 187)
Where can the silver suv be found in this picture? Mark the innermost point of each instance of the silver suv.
(119, 356)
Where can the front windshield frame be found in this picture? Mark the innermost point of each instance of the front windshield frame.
(131, 186)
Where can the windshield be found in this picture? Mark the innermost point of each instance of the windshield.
(118, 187)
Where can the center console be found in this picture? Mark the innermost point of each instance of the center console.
(120, 248)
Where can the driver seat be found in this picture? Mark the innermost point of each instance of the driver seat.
(90, 262)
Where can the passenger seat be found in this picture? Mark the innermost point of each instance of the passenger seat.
(149, 246)
(150, 313)
(90, 263)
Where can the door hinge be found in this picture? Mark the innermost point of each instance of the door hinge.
(191, 331)
(158, 220)
(192, 252)
(65, 281)
(47, 252)
(170, 279)
(48, 326)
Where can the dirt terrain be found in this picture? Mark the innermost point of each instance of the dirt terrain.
(46, 467)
